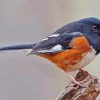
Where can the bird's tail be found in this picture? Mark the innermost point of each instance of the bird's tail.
(17, 47)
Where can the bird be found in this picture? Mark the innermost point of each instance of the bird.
(70, 48)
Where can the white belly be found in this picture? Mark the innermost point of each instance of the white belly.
(88, 57)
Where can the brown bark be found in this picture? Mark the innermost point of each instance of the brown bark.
(89, 90)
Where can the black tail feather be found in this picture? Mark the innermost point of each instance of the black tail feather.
(17, 47)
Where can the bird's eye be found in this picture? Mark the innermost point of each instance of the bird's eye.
(94, 27)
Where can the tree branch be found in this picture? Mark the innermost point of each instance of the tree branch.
(73, 91)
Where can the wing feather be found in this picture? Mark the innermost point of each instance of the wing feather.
(55, 43)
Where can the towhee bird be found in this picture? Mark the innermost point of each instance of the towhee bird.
(71, 47)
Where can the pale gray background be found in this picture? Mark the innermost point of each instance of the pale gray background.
(27, 21)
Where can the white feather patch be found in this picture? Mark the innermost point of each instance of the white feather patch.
(44, 39)
(54, 35)
(77, 33)
(53, 49)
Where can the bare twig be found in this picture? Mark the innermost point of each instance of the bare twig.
(89, 91)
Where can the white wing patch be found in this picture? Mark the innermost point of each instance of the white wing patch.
(44, 39)
(77, 33)
(54, 35)
(55, 48)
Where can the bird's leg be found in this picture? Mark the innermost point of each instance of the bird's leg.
(76, 82)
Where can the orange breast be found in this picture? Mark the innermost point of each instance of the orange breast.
(64, 59)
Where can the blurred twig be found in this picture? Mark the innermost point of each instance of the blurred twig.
(89, 91)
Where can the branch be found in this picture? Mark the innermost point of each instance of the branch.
(73, 91)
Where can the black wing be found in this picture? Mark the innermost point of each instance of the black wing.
(55, 43)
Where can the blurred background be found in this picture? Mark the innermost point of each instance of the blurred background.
(27, 21)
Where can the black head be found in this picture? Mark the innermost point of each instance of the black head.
(91, 28)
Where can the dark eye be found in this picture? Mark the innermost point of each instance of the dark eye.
(94, 27)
